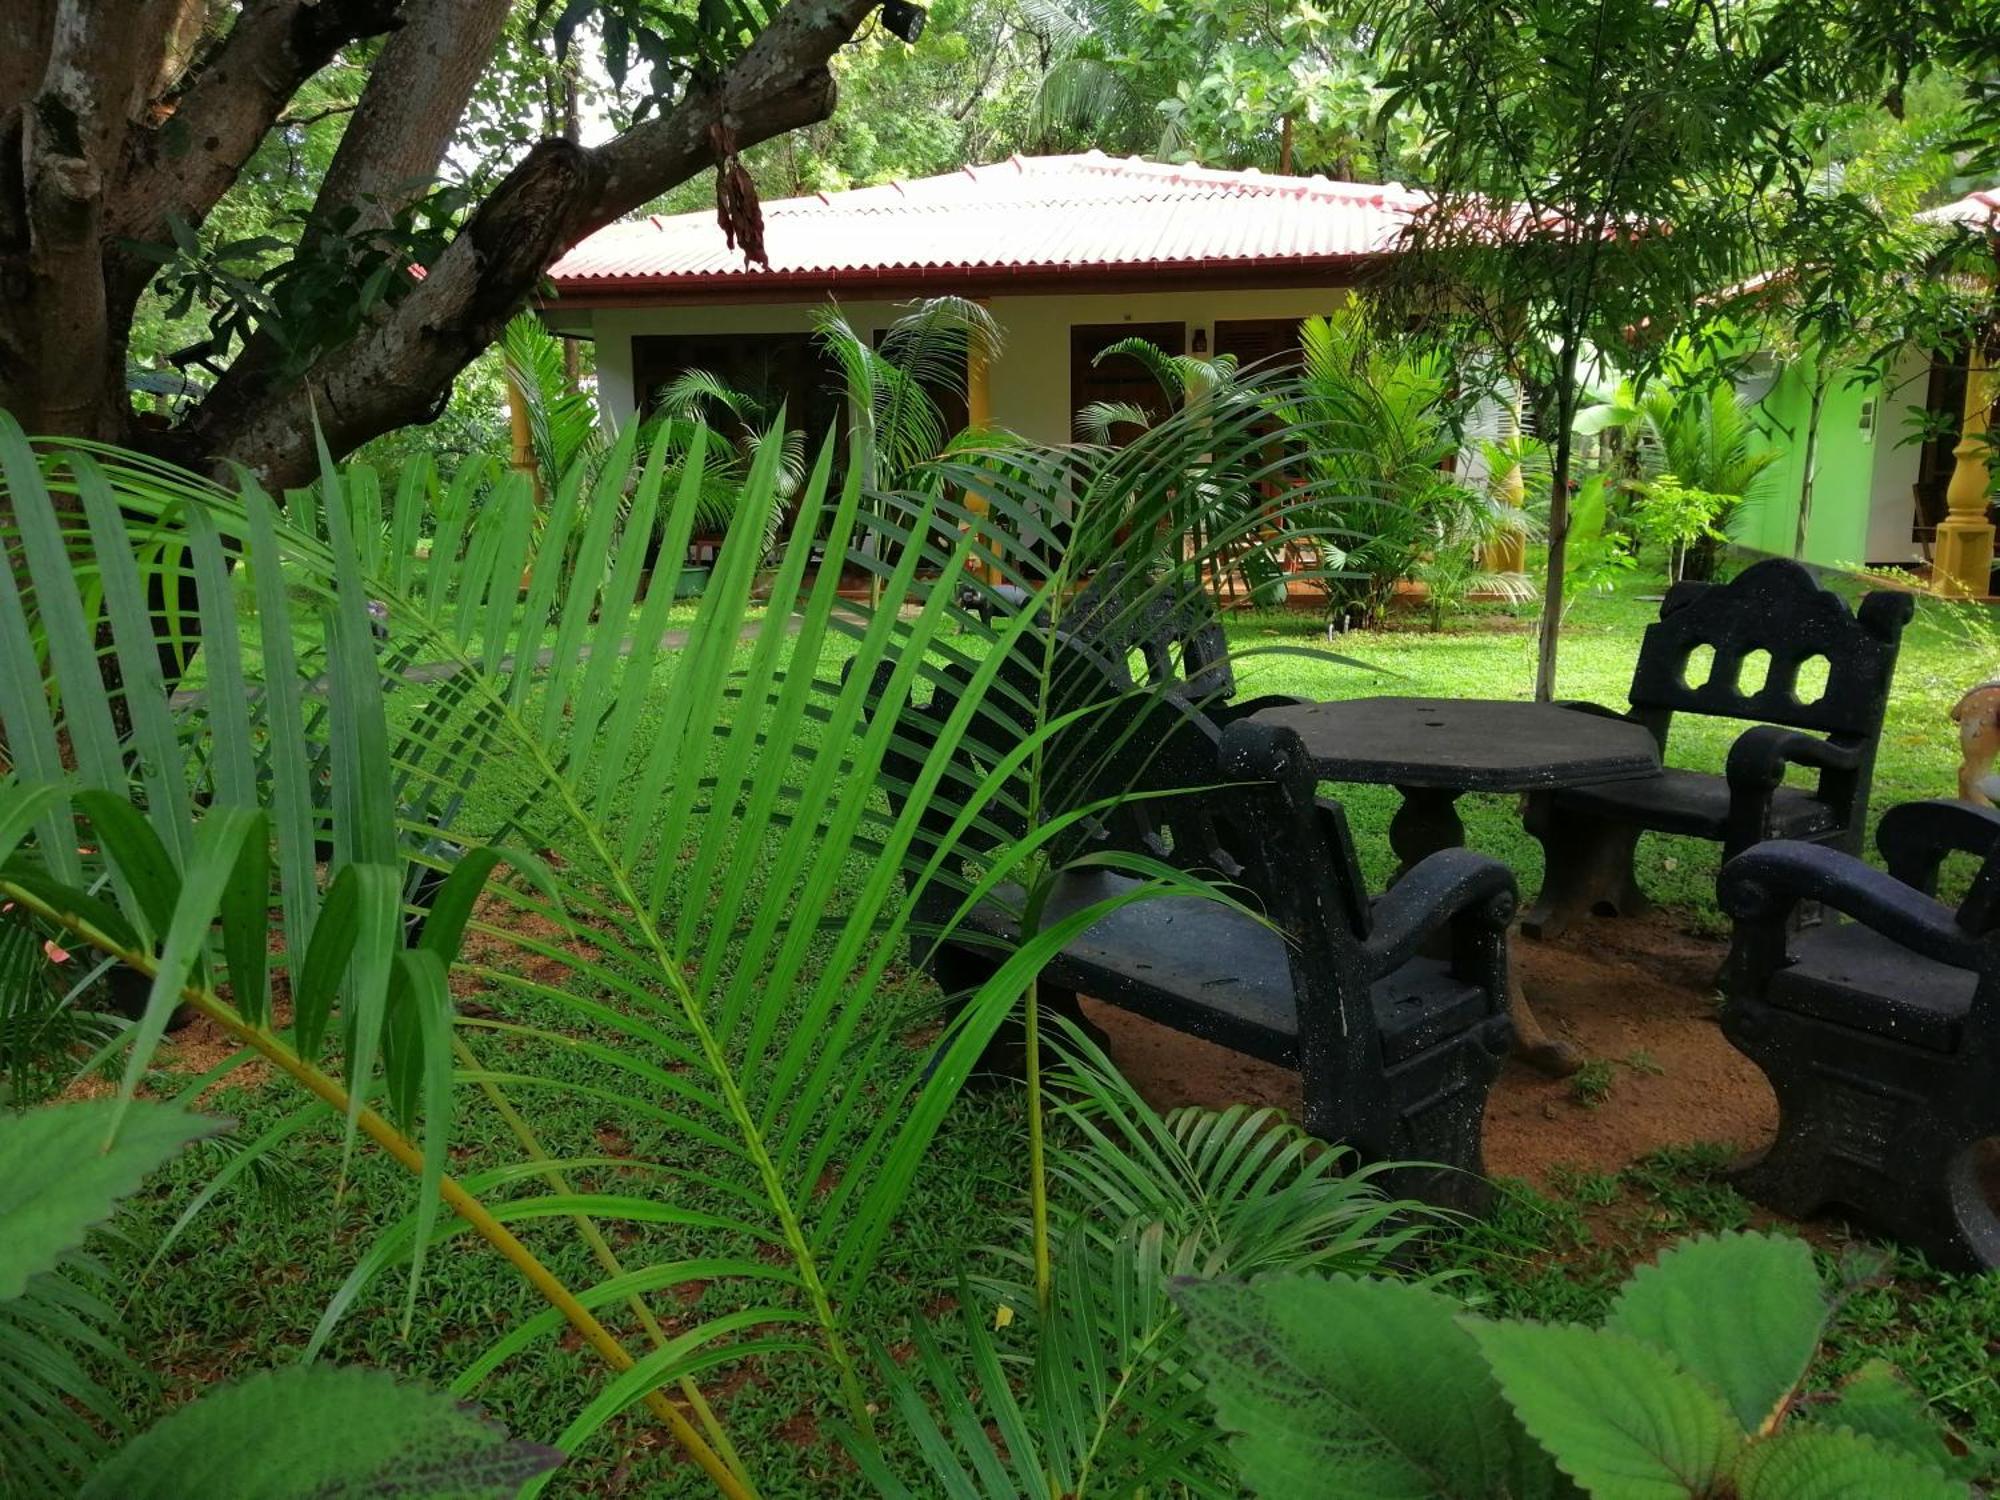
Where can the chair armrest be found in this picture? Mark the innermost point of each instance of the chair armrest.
(1472, 894)
(1756, 769)
(1761, 887)
(1758, 759)
(1916, 836)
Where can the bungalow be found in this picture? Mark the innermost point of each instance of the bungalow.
(1886, 454)
(1068, 253)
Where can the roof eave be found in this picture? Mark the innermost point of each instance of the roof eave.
(896, 282)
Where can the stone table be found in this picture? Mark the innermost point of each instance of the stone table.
(1434, 750)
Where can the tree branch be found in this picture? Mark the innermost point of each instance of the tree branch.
(181, 166)
(314, 116)
(398, 371)
(415, 96)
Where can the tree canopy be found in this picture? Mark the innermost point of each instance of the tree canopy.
(384, 192)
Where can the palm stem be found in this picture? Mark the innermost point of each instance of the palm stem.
(410, 1156)
(600, 1249)
(1038, 1193)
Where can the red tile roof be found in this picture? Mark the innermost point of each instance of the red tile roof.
(1047, 220)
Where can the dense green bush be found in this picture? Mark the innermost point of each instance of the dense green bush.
(1693, 1388)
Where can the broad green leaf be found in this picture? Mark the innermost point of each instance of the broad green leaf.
(1743, 1312)
(378, 938)
(58, 1178)
(316, 977)
(1878, 1403)
(21, 806)
(324, 1432)
(232, 763)
(290, 757)
(1343, 1388)
(1817, 1463)
(451, 906)
(160, 758)
(1619, 1417)
(424, 989)
(246, 926)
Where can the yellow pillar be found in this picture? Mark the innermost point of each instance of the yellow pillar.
(1963, 561)
(1508, 552)
(978, 414)
(523, 436)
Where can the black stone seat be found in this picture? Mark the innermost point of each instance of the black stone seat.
(1394, 1012)
(1695, 804)
(1773, 610)
(1879, 1028)
(1850, 975)
(1219, 974)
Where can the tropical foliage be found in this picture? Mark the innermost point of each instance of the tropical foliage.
(1108, 1405)
(1699, 461)
(1400, 424)
(1694, 1386)
(310, 1429)
(334, 815)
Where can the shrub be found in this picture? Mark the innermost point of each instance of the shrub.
(1692, 1387)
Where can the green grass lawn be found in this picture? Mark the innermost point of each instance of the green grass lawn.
(244, 1286)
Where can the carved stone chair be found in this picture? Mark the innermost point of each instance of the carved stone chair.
(1164, 633)
(1879, 1028)
(1394, 1011)
(1693, 661)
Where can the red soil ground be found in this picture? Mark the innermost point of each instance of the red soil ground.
(1638, 995)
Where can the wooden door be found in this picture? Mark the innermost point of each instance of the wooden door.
(1259, 343)
(1120, 378)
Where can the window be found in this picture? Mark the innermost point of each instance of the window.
(770, 367)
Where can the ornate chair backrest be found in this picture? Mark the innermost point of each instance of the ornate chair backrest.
(1738, 650)
(1155, 635)
(1916, 837)
(1155, 758)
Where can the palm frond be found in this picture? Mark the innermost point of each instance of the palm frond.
(1099, 1390)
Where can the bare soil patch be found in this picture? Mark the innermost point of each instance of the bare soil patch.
(1637, 995)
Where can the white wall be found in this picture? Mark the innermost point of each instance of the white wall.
(1028, 383)
(1891, 505)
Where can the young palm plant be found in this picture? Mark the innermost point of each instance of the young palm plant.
(326, 828)
(1111, 545)
(717, 938)
(1109, 1402)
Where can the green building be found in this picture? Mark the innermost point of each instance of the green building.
(1878, 485)
(1884, 455)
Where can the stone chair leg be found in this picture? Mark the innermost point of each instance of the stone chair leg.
(1921, 1188)
(1432, 1118)
(1446, 1133)
(1587, 870)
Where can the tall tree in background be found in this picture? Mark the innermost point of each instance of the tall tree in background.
(1603, 169)
(124, 126)
(1286, 87)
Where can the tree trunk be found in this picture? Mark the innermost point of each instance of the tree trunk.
(1806, 473)
(1552, 596)
(103, 147)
